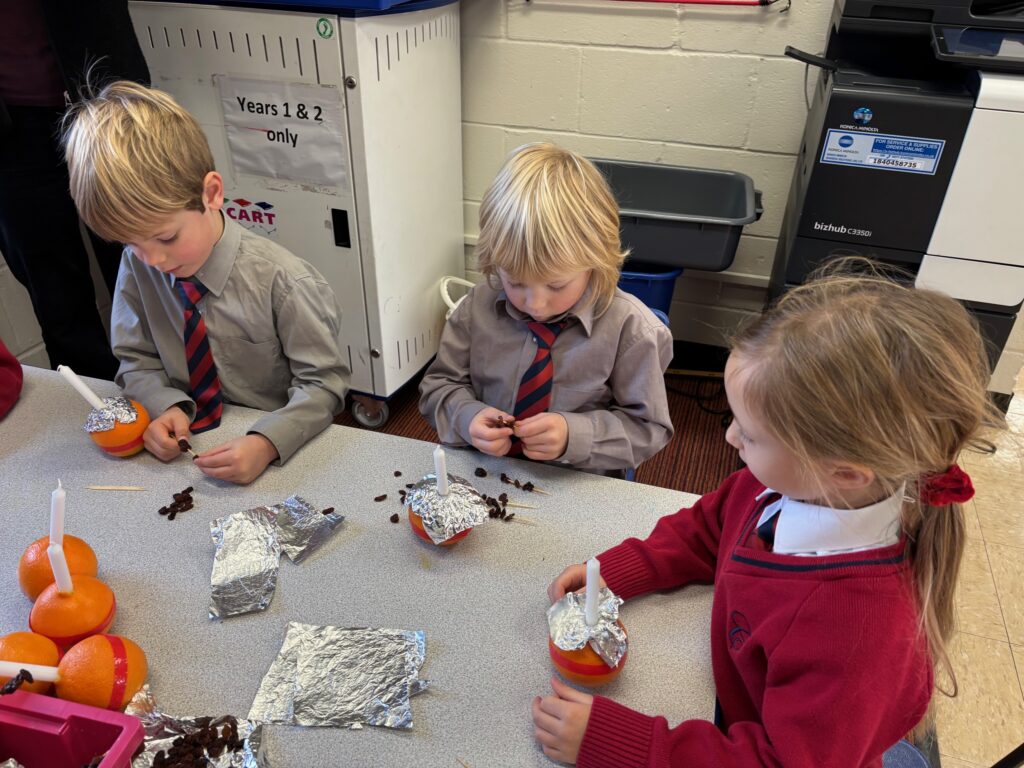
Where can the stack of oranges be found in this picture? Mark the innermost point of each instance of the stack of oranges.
(95, 668)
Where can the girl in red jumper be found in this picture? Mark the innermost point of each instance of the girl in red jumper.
(834, 554)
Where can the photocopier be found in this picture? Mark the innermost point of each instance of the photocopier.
(913, 154)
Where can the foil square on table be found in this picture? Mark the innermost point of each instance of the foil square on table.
(342, 677)
(302, 528)
(248, 551)
(245, 563)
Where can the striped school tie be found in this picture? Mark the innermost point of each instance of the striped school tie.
(203, 382)
(763, 537)
(534, 394)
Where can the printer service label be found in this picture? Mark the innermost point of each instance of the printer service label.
(881, 151)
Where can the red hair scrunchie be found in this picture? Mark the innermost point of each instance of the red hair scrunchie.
(950, 487)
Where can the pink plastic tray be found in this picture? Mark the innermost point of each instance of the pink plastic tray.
(44, 732)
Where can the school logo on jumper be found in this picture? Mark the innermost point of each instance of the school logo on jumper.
(739, 630)
(256, 217)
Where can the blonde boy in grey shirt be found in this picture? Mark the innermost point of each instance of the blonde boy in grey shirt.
(258, 324)
(549, 243)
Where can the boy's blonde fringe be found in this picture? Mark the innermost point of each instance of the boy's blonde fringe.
(549, 212)
(135, 157)
(857, 365)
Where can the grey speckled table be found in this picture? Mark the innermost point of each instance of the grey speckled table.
(481, 602)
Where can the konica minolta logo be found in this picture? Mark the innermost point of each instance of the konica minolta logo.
(839, 229)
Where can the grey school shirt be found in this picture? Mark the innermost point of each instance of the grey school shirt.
(272, 322)
(608, 376)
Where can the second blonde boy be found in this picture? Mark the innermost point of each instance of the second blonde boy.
(548, 339)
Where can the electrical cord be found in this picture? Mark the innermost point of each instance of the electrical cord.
(701, 399)
(807, 98)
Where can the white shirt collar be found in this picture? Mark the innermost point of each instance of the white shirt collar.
(809, 529)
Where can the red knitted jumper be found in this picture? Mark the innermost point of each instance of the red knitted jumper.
(817, 660)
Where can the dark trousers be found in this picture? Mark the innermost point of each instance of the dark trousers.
(42, 244)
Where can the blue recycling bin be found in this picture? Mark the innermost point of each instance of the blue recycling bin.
(651, 283)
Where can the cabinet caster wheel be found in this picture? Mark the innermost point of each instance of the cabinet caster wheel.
(370, 417)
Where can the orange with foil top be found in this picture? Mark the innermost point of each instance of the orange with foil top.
(586, 641)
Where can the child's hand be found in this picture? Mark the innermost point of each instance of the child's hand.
(241, 460)
(544, 436)
(495, 441)
(572, 578)
(162, 435)
(560, 721)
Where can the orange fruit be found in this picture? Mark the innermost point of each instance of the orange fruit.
(417, 526)
(34, 572)
(585, 666)
(123, 439)
(29, 648)
(103, 671)
(67, 619)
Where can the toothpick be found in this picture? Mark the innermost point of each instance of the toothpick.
(540, 490)
(115, 488)
(186, 448)
(462, 763)
(524, 520)
(517, 505)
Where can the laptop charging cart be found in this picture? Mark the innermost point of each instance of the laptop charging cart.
(338, 130)
(912, 155)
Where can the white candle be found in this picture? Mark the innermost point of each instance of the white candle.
(441, 471)
(57, 499)
(81, 386)
(59, 564)
(38, 672)
(593, 590)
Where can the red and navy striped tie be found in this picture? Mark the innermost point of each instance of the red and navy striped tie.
(534, 394)
(763, 537)
(203, 382)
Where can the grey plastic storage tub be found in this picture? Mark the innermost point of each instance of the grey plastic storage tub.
(681, 217)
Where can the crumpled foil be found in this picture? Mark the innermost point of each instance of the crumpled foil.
(446, 516)
(567, 622)
(332, 676)
(117, 410)
(245, 563)
(162, 729)
(12, 763)
(301, 528)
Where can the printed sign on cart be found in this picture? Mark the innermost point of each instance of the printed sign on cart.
(882, 151)
(256, 216)
(283, 130)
